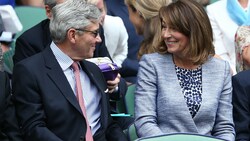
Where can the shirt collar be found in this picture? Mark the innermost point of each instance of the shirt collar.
(64, 60)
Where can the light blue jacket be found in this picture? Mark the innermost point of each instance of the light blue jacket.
(160, 106)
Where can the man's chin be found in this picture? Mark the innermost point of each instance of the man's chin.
(90, 55)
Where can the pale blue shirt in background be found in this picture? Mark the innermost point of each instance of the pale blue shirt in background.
(91, 95)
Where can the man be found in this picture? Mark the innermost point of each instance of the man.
(9, 130)
(241, 105)
(37, 38)
(44, 84)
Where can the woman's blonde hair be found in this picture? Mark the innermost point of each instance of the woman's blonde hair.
(189, 18)
(151, 35)
(148, 10)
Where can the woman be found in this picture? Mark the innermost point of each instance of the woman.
(183, 88)
(225, 17)
(144, 16)
(242, 50)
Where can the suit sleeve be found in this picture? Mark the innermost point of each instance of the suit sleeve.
(29, 108)
(241, 109)
(224, 126)
(115, 133)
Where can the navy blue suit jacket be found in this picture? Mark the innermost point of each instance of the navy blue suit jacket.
(46, 106)
(241, 105)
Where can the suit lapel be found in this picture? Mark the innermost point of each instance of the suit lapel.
(91, 76)
(56, 74)
(98, 82)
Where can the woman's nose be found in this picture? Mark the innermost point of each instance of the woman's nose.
(166, 33)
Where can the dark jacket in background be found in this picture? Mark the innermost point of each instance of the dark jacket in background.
(9, 129)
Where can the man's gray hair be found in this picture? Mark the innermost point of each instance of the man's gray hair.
(72, 14)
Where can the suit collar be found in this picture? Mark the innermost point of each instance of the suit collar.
(85, 66)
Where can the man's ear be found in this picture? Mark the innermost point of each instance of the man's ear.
(71, 34)
(48, 11)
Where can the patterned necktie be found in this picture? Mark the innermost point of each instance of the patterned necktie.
(80, 99)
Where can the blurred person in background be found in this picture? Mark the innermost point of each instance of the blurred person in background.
(225, 17)
(36, 3)
(10, 25)
(9, 128)
(8, 2)
(144, 16)
(242, 48)
(116, 36)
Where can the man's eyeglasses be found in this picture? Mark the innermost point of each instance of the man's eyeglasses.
(95, 32)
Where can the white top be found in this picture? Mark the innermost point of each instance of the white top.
(116, 38)
(10, 20)
(224, 29)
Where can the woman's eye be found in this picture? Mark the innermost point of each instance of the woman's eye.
(163, 27)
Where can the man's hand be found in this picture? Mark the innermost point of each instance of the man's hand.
(113, 84)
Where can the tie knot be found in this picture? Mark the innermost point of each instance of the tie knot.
(75, 66)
